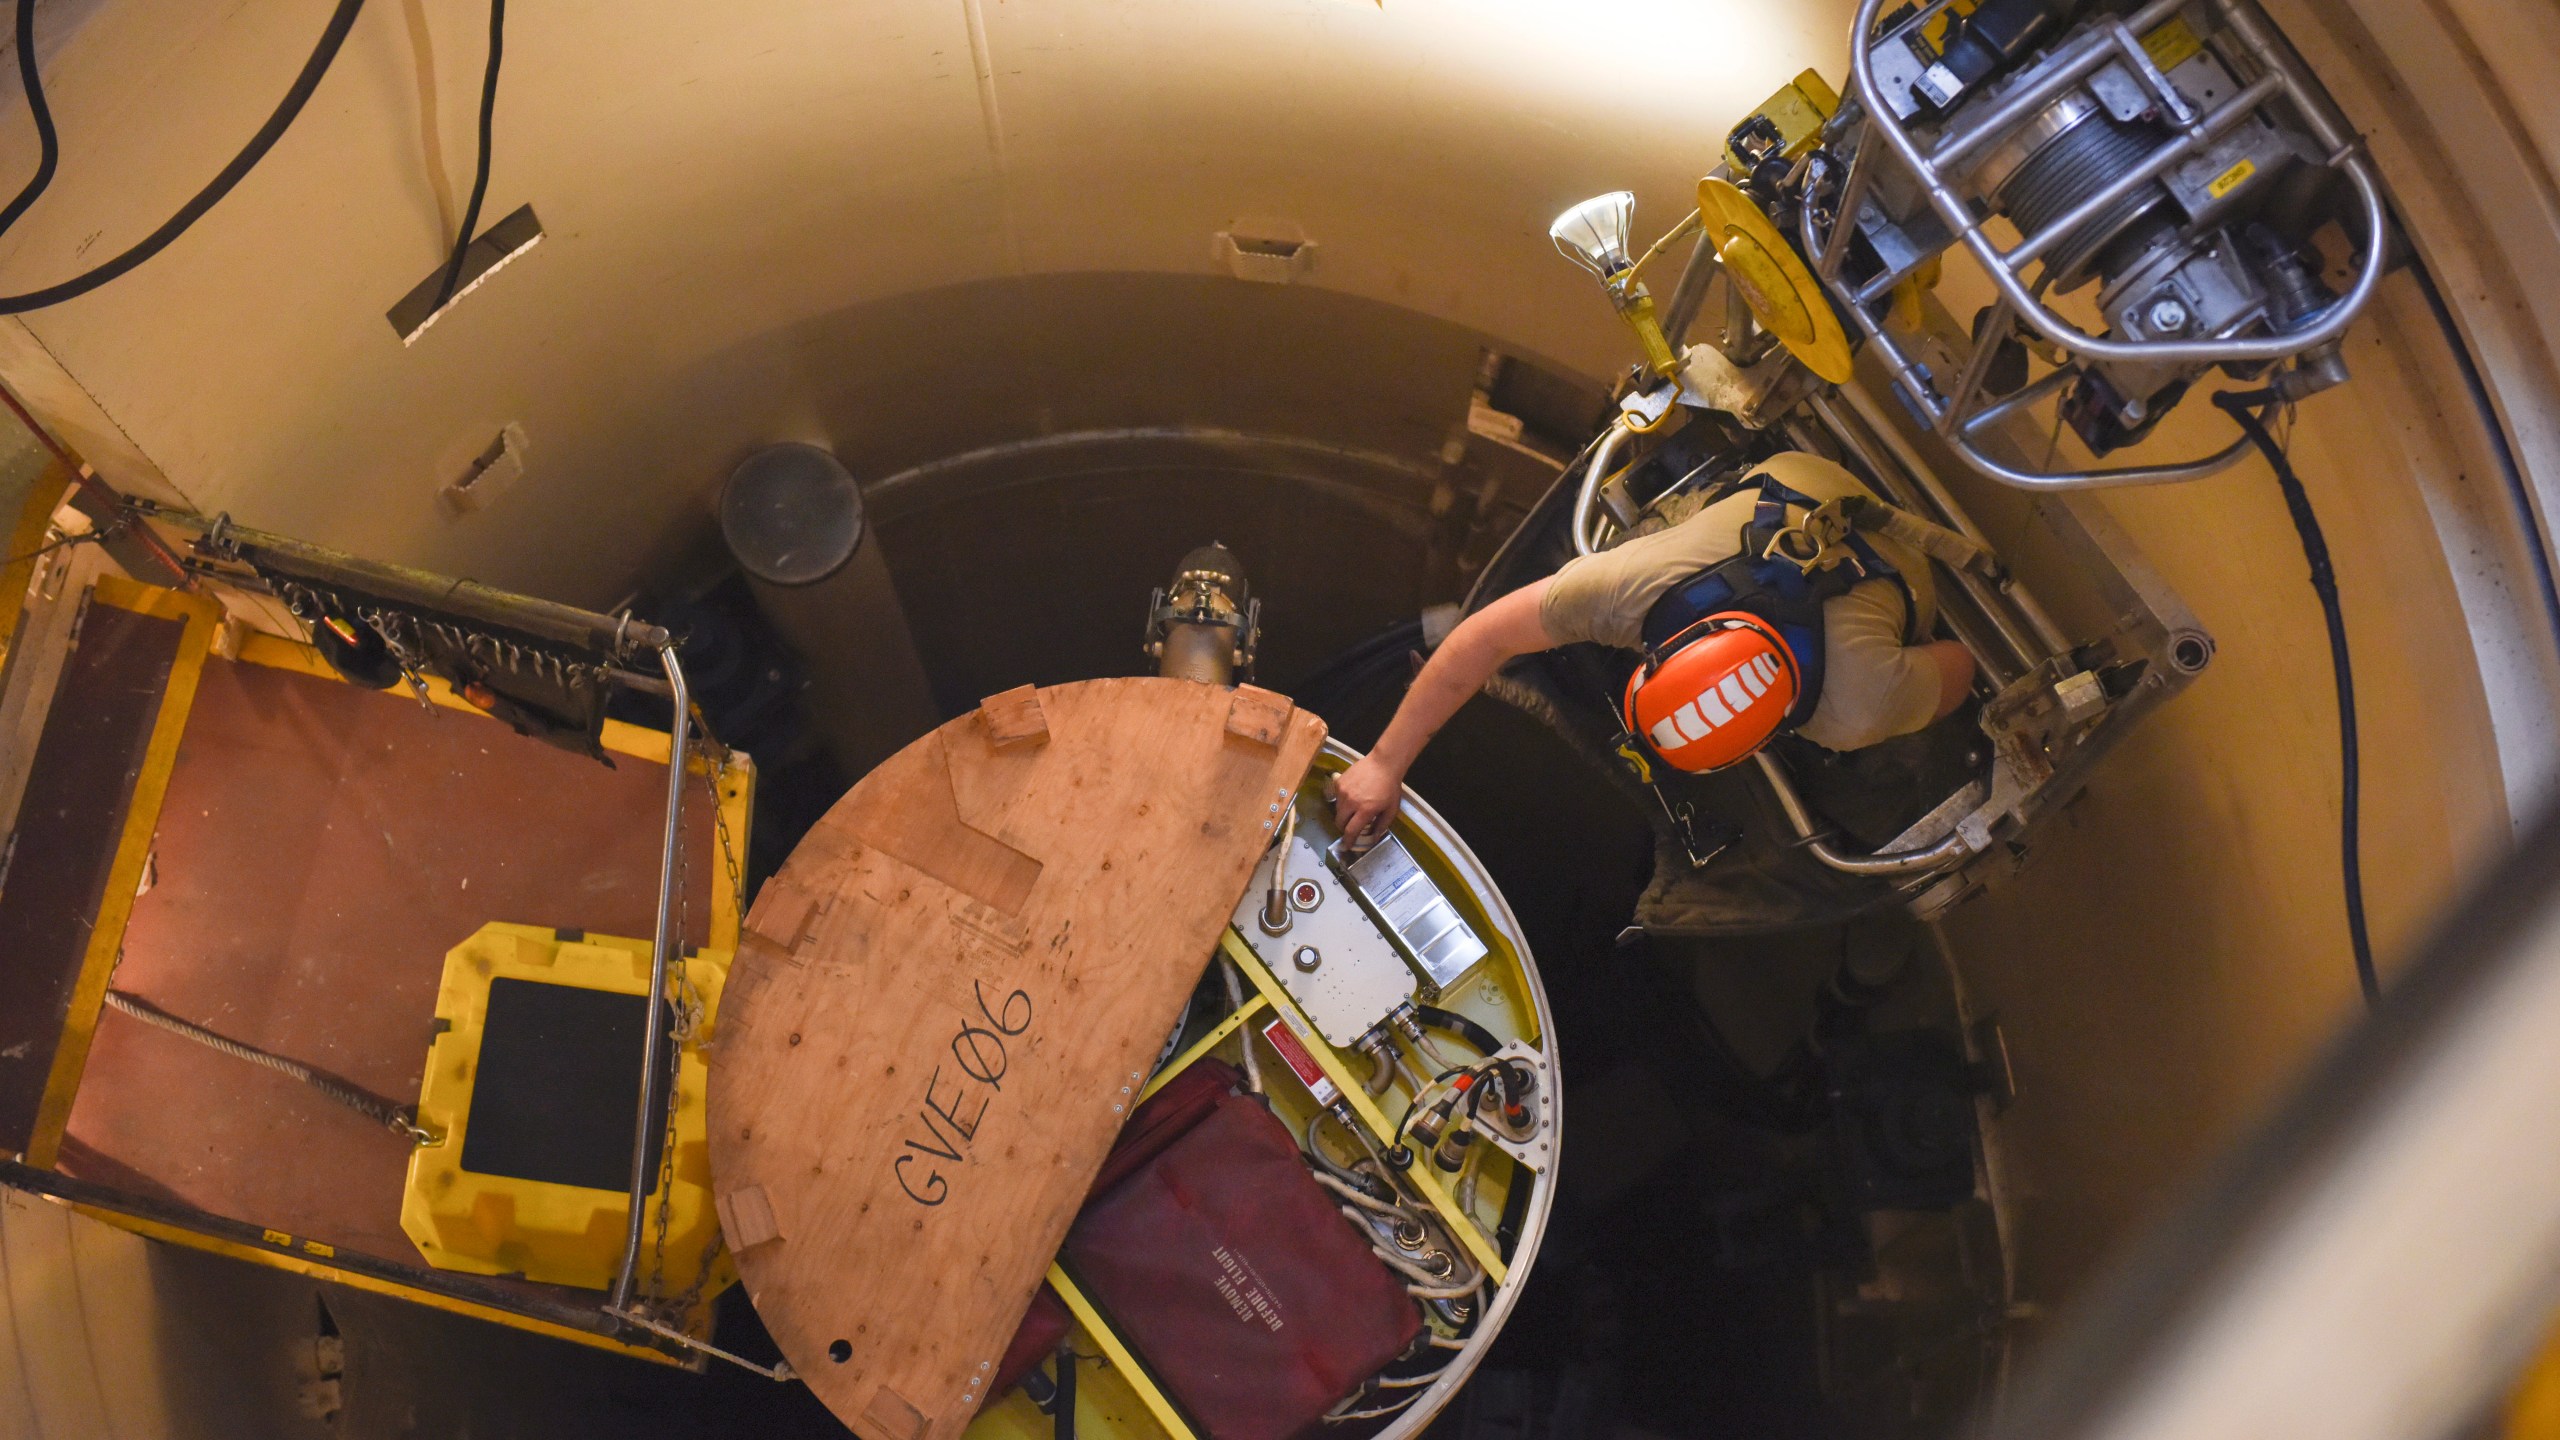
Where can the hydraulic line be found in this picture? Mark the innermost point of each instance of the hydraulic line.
(2249, 409)
(1459, 1025)
(41, 112)
(331, 38)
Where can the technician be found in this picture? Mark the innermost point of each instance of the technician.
(1789, 601)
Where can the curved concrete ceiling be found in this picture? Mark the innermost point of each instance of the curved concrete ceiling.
(732, 195)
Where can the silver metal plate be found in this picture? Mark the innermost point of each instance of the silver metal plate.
(1538, 1152)
(1358, 976)
(1430, 931)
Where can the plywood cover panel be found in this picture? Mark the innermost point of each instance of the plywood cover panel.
(923, 1049)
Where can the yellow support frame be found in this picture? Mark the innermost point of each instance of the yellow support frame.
(1121, 1355)
(1420, 1176)
(203, 617)
(133, 848)
(1204, 1045)
(317, 1269)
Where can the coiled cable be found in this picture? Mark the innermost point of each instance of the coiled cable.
(331, 38)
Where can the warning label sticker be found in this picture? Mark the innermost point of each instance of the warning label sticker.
(1301, 1063)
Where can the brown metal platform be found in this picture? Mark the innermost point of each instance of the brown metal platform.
(321, 847)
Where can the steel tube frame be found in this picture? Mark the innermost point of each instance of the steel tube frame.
(2109, 42)
(1892, 864)
(652, 1117)
(1681, 311)
(2025, 651)
(1905, 378)
(1586, 500)
(1872, 416)
(2118, 36)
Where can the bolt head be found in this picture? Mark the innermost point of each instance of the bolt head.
(2168, 316)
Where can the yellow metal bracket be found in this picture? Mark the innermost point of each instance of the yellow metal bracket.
(1121, 1355)
(1420, 1176)
(1205, 1044)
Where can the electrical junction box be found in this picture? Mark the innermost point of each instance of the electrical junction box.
(1419, 921)
(1363, 936)
(1331, 957)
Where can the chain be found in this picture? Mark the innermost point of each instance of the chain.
(406, 633)
(690, 1017)
(679, 1033)
(728, 849)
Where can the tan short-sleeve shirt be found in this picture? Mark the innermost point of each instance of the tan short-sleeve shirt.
(1873, 688)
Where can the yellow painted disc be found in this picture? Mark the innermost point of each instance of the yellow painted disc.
(1772, 280)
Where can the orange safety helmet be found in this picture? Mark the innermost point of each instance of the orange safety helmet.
(1714, 693)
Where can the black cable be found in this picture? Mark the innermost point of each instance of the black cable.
(2248, 408)
(211, 195)
(1063, 1418)
(480, 180)
(65, 543)
(42, 113)
(1464, 1027)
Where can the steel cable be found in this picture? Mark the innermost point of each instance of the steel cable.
(397, 1118)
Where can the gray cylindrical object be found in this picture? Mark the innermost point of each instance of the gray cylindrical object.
(1205, 653)
(791, 514)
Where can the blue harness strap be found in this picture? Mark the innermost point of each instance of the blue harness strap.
(1778, 591)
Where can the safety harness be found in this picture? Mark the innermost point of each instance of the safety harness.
(1783, 573)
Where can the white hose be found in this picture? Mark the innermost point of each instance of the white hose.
(1586, 501)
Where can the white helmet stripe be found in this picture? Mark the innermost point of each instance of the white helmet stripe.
(1666, 736)
(1752, 679)
(1711, 707)
(1690, 723)
(1733, 694)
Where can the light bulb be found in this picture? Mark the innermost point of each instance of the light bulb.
(1593, 234)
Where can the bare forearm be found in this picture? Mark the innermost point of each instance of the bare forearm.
(1449, 679)
(1367, 794)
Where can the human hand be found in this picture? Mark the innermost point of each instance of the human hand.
(1365, 800)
